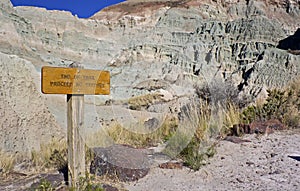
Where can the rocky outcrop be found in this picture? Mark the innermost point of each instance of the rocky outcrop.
(25, 120)
(150, 47)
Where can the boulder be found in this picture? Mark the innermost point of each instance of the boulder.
(127, 163)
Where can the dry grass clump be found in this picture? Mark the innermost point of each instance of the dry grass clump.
(210, 120)
(97, 138)
(138, 102)
(7, 162)
(121, 135)
(231, 115)
(53, 154)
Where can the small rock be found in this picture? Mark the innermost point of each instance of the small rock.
(235, 139)
(277, 171)
(171, 165)
(151, 124)
(273, 155)
(107, 187)
(239, 180)
(55, 180)
(250, 163)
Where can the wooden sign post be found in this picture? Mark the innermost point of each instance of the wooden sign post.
(75, 82)
(76, 146)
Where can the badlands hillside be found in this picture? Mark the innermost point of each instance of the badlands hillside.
(160, 54)
(150, 47)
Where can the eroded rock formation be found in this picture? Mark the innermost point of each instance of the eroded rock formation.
(170, 45)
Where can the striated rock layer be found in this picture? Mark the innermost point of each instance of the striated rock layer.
(150, 47)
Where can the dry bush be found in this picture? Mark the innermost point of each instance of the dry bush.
(219, 92)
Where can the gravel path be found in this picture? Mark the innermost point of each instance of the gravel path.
(262, 164)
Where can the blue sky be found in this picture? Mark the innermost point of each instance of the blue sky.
(82, 8)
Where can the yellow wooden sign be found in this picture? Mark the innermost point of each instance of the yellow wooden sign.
(57, 80)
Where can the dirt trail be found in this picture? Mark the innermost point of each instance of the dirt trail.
(262, 164)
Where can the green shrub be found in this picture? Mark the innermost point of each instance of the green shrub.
(283, 105)
(86, 184)
(45, 185)
(193, 157)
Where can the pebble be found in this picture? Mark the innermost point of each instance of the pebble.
(250, 163)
